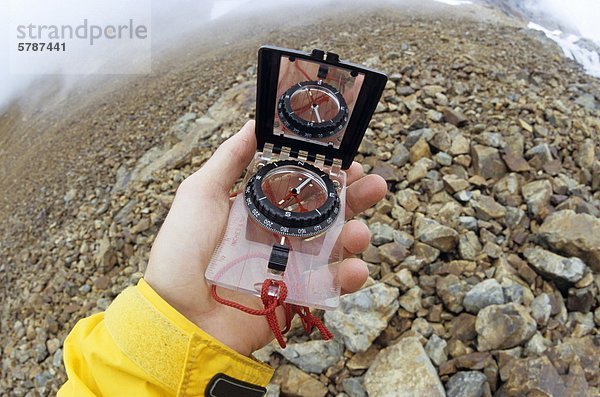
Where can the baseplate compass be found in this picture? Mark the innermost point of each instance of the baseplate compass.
(292, 198)
(312, 111)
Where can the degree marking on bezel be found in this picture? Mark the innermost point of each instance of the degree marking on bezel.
(273, 225)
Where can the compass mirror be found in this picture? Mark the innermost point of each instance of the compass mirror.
(315, 101)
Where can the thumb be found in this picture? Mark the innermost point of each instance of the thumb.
(229, 161)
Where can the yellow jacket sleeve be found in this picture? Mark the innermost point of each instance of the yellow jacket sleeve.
(141, 346)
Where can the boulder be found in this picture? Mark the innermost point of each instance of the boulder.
(487, 162)
(537, 195)
(403, 370)
(569, 233)
(532, 375)
(436, 349)
(435, 234)
(486, 293)
(313, 356)
(555, 267)
(363, 315)
(503, 327)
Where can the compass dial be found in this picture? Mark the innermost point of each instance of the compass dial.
(292, 198)
(313, 109)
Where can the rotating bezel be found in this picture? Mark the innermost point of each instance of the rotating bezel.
(290, 223)
(306, 128)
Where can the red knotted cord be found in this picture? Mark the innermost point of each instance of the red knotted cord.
(271, 303)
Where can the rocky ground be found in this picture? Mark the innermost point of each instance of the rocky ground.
(485, 255)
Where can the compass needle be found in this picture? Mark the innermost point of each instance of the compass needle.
(303, 202)
(313, 109)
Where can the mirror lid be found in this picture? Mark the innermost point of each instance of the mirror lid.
(273, 104)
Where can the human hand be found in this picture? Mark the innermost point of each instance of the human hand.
(195, 223)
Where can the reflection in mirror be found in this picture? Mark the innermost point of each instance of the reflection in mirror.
(315, 101)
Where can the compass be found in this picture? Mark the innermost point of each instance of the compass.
(313, 109)
(292, 198)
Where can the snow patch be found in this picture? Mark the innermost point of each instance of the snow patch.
(572, 48)
(454, 2)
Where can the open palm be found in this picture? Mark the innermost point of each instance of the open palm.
(197, 220)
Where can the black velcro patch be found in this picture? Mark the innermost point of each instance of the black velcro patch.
(222, 385)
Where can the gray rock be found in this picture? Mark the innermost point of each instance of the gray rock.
(403, 370)
(313, 356)
(443, 159)
(435, 234)
(569, 233)
(503, 327)
(400, 156)
(541, 151)
(469, 246)
(466, 384)
(405, 279)
(421, 326)
(57, 359)
(41, 352)
(468, 222)
(537, 194)
(487, 208)
(404, 90)
(363, 315)
(487, 162)
(354, 387)
(419, 170)
(555, 267)
(434, 115)
(514, 216)
(588, 101)
(414, 136)
(451, 291)
(493, 139)
(515, 292)
(487, 292)
(455, 183)
(70, 195)
(582, 323)
(42, 379)
(586, 154)
(460, 145)
(408, 199)
(381, 233)
(436, 350)
(541, 309)
(508, 190)
(404, 239)
(432, 90)
(464, 196)
(411, 301)
(537, 345)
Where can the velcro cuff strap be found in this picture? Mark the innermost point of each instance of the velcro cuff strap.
(171, 349)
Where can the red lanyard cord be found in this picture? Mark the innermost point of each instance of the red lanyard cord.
(270, 303)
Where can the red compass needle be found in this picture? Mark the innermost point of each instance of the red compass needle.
(299, 203)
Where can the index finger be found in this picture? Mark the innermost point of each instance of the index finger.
(354, 173)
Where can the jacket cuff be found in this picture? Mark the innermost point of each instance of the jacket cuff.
(172, 349)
